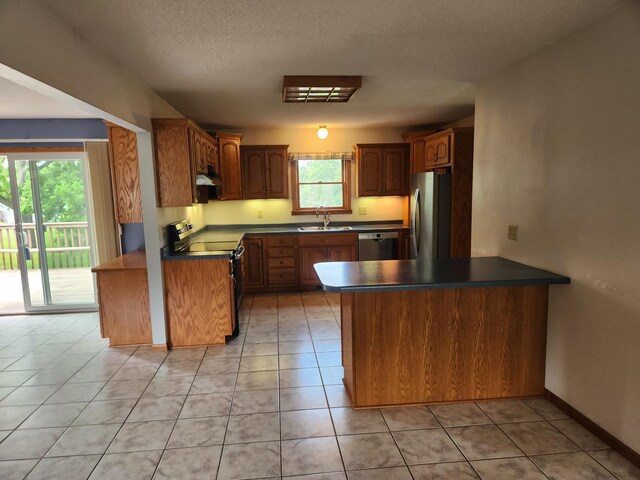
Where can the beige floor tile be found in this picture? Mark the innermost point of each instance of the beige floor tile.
(26, 444)
(483, 441)
(256, 427)
(199, 463)
(409, 418)
(259, 364)
(136, 437)
(459, 414)
(250, 460)
(545, 409)
(61, 415)
(64, 468)
(571, 466)
(579, 435)
(520, 468)
(207, 405)
(298, 360)
(84, 440)
(373, 450)
(618, 465)
(427, 446)
(255, 401)
(538, 438)
(306, 424)
(444, 471)
(310, 455)
(391, 473)
(348, 421)
(257, 381)
(302, 398)
(300, 377)
(107, 411)
(198, 432)
(163, 408)
(138, 465)
(508, 411)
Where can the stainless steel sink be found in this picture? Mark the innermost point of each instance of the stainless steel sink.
(323, 229)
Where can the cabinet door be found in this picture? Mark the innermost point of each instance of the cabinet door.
(307, 257)
(252, 263)
(253, 174)
(419, 155)
(276, 173)
(125, 175)
(438, 151)
(173, 169)
(369, 171)
(342, 254)
(395, 171)
(230, 172)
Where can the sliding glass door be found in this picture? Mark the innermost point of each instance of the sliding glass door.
(52, 230)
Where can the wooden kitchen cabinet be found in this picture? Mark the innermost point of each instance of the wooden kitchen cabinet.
(382, 169)
(320, 247)
(281, 261)
(182, 150)
(230, 165)
(264, 171)
(253, 263)
(125, 174)
(417, 149)
(199, 301)
(123, 300)
(438, 150)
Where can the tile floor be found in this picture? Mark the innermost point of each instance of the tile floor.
(269, 405)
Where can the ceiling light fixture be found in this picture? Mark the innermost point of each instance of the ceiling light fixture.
(323, 132)
(319, 88)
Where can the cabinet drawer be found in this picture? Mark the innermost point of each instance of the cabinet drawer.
(282, 276)
(326, 240)
(282, 262)
(280, 252)
(280, 241)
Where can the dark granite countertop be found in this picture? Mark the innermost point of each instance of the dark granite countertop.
(235, 233)
(430, 274)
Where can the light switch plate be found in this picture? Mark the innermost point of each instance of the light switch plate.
(259, 213)
(362, 210)
(513, 232)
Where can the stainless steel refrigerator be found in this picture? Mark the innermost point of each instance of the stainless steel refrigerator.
(430, 215)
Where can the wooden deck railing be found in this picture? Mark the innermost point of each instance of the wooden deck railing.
(67, 245)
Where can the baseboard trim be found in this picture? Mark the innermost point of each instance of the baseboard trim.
(159, 347)
(617, 445)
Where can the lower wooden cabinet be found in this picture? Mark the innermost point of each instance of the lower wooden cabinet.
(123, 299)
(253, 263)
(199, 301)
(285, 262)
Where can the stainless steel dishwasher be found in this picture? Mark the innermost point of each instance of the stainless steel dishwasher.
(378, 246)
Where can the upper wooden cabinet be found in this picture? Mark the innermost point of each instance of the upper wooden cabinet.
(182, 150)
(125, 174)
(230, 169)
(264, 171)
(438, 150)
(383, 169)
(417, 144)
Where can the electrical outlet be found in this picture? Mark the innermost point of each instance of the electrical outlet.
(362, 210)
(513, 232)
(259, 213)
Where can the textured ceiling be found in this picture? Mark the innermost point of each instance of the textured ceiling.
(221, 62)
(17, 101)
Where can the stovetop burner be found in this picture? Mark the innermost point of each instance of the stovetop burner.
(214, 247)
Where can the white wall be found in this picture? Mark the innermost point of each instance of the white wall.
(306, 140)
(557, 152)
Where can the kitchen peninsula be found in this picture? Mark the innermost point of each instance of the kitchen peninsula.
(419, 331)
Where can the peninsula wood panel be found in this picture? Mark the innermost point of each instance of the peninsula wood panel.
(444, 344)
(198, 301)
(125, 174)
(123, 297)
(174, 175)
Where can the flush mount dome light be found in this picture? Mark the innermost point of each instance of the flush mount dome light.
(319, 88)
(323, 132)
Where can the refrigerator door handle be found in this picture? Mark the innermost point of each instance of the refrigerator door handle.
(414, 213)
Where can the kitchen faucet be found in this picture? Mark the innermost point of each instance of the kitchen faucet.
(327, 216)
